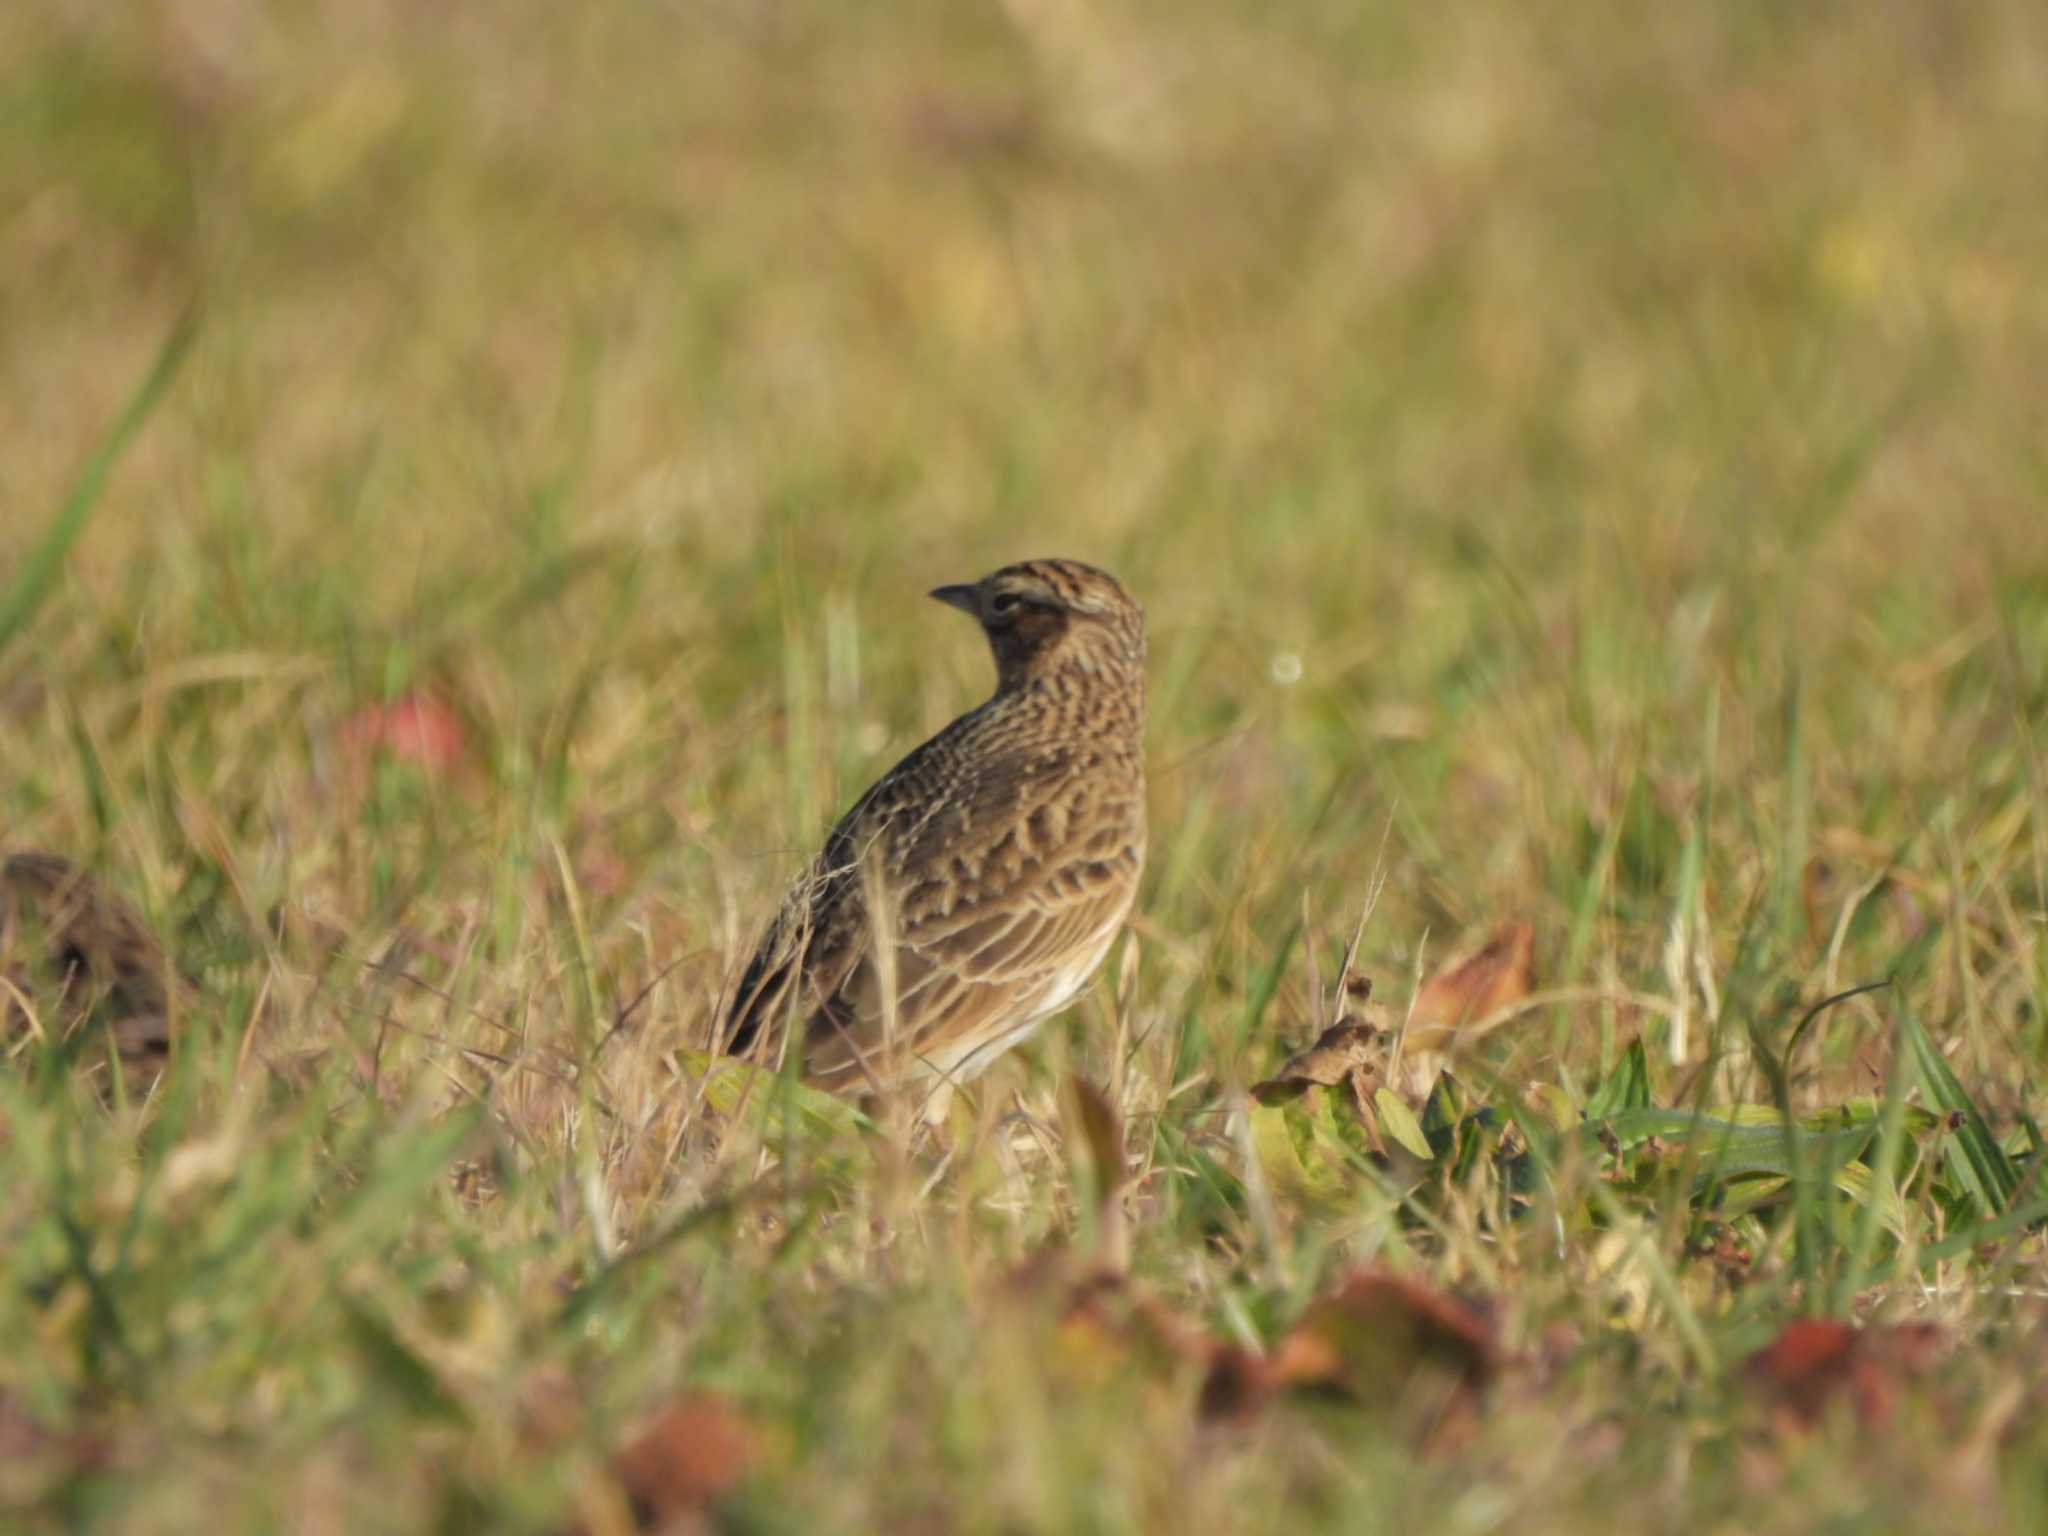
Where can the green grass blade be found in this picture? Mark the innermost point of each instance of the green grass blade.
(1885, 1192)
(40, 567)
(1261, 992)
(1987, 1174)
(1957, 1244)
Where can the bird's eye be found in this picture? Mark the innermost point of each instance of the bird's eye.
(1004, 603)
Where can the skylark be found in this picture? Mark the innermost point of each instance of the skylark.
(975, 888)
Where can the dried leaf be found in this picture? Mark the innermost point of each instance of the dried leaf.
(1103, 1325)
(1340, 1055)
(1815, 1363)
(1472, 990)
(1128, 1320)
(694, 1452)
(1418, 1320)
(1238, 1386)
(1385, 1341)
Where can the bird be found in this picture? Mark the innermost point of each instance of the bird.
(974, 889)
(80, 947)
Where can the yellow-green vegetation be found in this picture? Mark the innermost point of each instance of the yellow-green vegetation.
(1583, 463)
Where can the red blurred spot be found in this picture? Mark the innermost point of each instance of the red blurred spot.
(414, 728)
(696, 1450)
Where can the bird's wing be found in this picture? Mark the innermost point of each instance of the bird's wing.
(821, 931)
(994, 885)
(979, 949)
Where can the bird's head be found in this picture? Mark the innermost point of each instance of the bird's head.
(1045, 618)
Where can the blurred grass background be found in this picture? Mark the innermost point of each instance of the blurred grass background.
(1585, 459)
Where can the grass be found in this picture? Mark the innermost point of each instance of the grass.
(1581, 464)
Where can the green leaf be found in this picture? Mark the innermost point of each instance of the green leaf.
(1880, 1197)
(1399, 1122)
(1446, 1106)
(1743, 1141)
(1626, 1087)
(1284, 1141)
(732, 1085)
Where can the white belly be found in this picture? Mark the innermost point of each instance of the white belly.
(1059, 988)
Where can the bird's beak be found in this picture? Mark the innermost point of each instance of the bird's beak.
(961, 597)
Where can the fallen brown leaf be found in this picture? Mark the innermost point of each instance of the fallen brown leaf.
(1405, 1321)
(1346, 1054)
(1383, 1340)
(1103, 1322)
(1815, 1363)
(694, 1452)
(1470, 990)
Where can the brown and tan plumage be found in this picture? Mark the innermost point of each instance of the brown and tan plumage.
(69, 942)
(977, 886)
